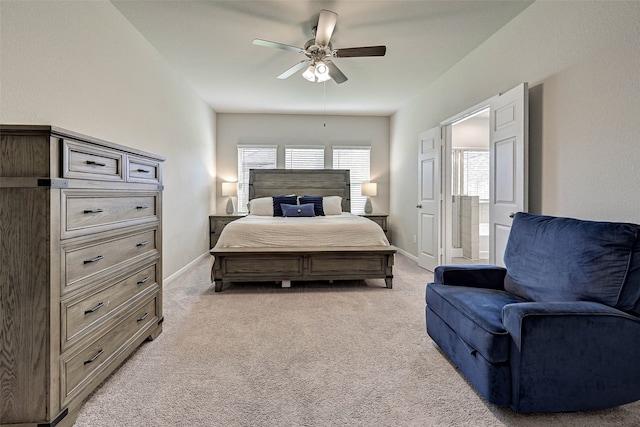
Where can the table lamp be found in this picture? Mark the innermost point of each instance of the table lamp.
(230, 189)
(369, 189)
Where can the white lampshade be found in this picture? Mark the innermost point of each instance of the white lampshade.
(322, 72)
(229, 188)
(369, 189)
(310, 74)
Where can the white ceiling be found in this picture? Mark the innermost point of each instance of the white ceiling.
(209, 43)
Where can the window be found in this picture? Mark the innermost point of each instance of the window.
(304, 157)
(252, 157)
(471, 173)
(357, 161)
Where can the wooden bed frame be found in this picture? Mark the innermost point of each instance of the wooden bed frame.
(303, 263)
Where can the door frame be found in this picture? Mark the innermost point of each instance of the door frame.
(445, 177)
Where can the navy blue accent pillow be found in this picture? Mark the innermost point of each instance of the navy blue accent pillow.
(317, 204)
(278, 200)
(297, 210)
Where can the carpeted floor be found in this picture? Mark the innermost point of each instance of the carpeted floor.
(315, 354)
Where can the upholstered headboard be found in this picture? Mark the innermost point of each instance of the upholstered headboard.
(301, 182)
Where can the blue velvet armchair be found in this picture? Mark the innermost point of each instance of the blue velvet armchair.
(558, 329)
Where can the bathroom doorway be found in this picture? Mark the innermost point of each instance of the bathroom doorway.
(503, 120)
(468, 188)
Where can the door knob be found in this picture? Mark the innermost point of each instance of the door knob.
(419, 206)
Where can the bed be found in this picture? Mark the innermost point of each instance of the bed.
(311, 257)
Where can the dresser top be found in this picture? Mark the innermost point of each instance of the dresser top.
(64, 133)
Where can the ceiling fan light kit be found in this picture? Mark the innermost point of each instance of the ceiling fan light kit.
(318, 66)
(318, 72)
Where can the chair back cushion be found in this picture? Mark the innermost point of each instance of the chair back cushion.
(564, 259)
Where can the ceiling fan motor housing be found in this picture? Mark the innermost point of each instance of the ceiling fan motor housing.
(316, 52)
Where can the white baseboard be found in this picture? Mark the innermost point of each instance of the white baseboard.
(407, 254)
(175, 275)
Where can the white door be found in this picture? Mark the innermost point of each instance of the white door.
(429, 196)
(509, 166)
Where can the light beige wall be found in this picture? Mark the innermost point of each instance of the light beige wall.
(282, 129)
(582, 62)
(81, 66)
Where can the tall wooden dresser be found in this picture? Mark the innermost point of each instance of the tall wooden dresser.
(80, 267)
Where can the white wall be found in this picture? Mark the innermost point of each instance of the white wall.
(81, 66)
(282, 129)
(582, 62)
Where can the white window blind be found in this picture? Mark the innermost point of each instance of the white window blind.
(477, 174)
(358, 161)
(252, 157)
(304, 157)
(471, 176)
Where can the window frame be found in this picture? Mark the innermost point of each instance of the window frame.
(243, 172)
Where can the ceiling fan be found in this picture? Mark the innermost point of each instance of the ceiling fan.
(319, 51)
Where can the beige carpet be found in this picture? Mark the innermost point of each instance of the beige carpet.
(346, 354)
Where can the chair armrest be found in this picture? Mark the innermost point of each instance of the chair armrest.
(572, 356)
(579, 317)
(476, 276)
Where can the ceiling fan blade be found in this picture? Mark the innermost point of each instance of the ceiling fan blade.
(326, 24)
(291, 71)
(352, 52)
(276, 45)
(335, 72)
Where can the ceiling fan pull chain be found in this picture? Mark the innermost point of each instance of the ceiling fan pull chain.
(324, 103)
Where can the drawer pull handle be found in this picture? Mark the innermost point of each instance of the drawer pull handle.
(90, 211)
(143, 317)
(143, 170)
(94, 163)
(94, 309)
(141, 244)
(96, 259)
(140, 282)
(142, 207)
(98, 354)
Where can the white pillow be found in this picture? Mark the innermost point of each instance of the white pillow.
(261, 206)
(332, 205)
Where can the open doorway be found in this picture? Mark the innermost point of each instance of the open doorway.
(470, 174)
(500, 127)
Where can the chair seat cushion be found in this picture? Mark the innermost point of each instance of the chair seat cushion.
(475, 314)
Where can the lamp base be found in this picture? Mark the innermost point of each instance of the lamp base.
(230, 207)
(367, 206)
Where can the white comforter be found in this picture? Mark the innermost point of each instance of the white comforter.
(323, 231)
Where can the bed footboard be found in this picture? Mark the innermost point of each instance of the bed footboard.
(291, 264)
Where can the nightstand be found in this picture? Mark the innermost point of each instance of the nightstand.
(217, 223)
(381, 220)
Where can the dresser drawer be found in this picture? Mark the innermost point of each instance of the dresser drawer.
(86, 212)
(143, 170)
(80, 315)
(82, 261)
(78, 368)
(87, 161)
